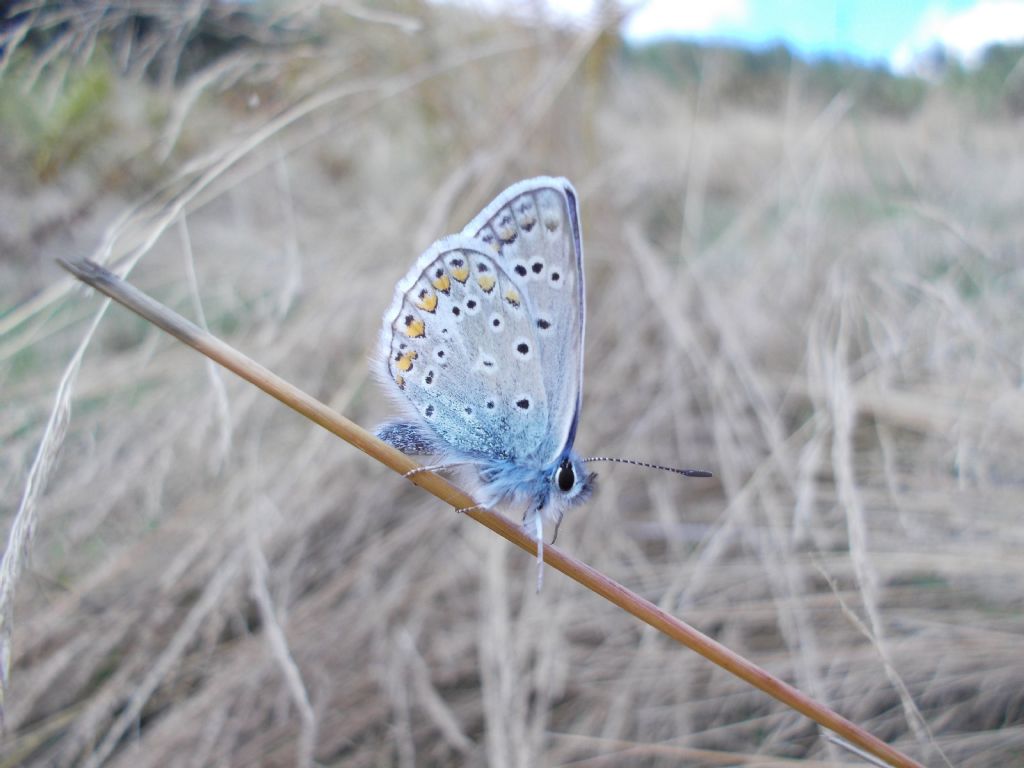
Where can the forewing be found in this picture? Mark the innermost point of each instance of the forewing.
(533, 229)
(463, 355)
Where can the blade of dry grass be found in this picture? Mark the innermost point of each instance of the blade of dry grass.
(258, 570)
(843, 413)
(173, 651)
(109, 284)
(20, 537)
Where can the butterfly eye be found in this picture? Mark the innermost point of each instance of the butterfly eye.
(565, 477)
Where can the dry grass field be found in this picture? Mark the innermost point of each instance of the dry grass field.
(820, 303)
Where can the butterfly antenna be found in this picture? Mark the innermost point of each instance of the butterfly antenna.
(686, 472)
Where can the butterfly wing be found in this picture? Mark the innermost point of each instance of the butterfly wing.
(533, 230)
(462, 356)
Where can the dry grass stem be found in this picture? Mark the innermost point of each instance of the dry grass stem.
(110, 285)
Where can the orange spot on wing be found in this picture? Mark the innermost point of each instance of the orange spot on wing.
(512, 297)
(427, 301)
(460, 273)
(404, 362)
(486, 283)
(415, 330)
(442, 283)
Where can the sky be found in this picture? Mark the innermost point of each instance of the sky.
(885, 31)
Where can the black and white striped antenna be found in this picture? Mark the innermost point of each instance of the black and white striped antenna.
(686, 472)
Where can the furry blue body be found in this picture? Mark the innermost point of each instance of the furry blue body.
(500, 482)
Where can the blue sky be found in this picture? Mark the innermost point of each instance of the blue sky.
(871, 30)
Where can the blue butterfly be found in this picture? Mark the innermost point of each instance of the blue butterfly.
(482, 348)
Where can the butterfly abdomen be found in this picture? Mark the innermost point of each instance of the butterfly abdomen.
(410, 439)
(509, 481)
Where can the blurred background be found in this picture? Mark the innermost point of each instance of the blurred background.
(803, 236)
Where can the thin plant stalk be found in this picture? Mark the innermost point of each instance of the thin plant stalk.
(148, 308)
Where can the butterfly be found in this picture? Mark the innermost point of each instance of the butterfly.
(482, 349)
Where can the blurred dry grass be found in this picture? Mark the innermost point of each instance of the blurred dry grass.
(821, 305)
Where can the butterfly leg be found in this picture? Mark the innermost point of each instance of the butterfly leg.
(557, 524)
(435, 468)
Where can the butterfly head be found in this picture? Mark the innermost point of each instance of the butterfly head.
(571, 484)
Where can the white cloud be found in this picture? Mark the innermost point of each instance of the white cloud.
(965, 33)
(647, 19)
(659, 18)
